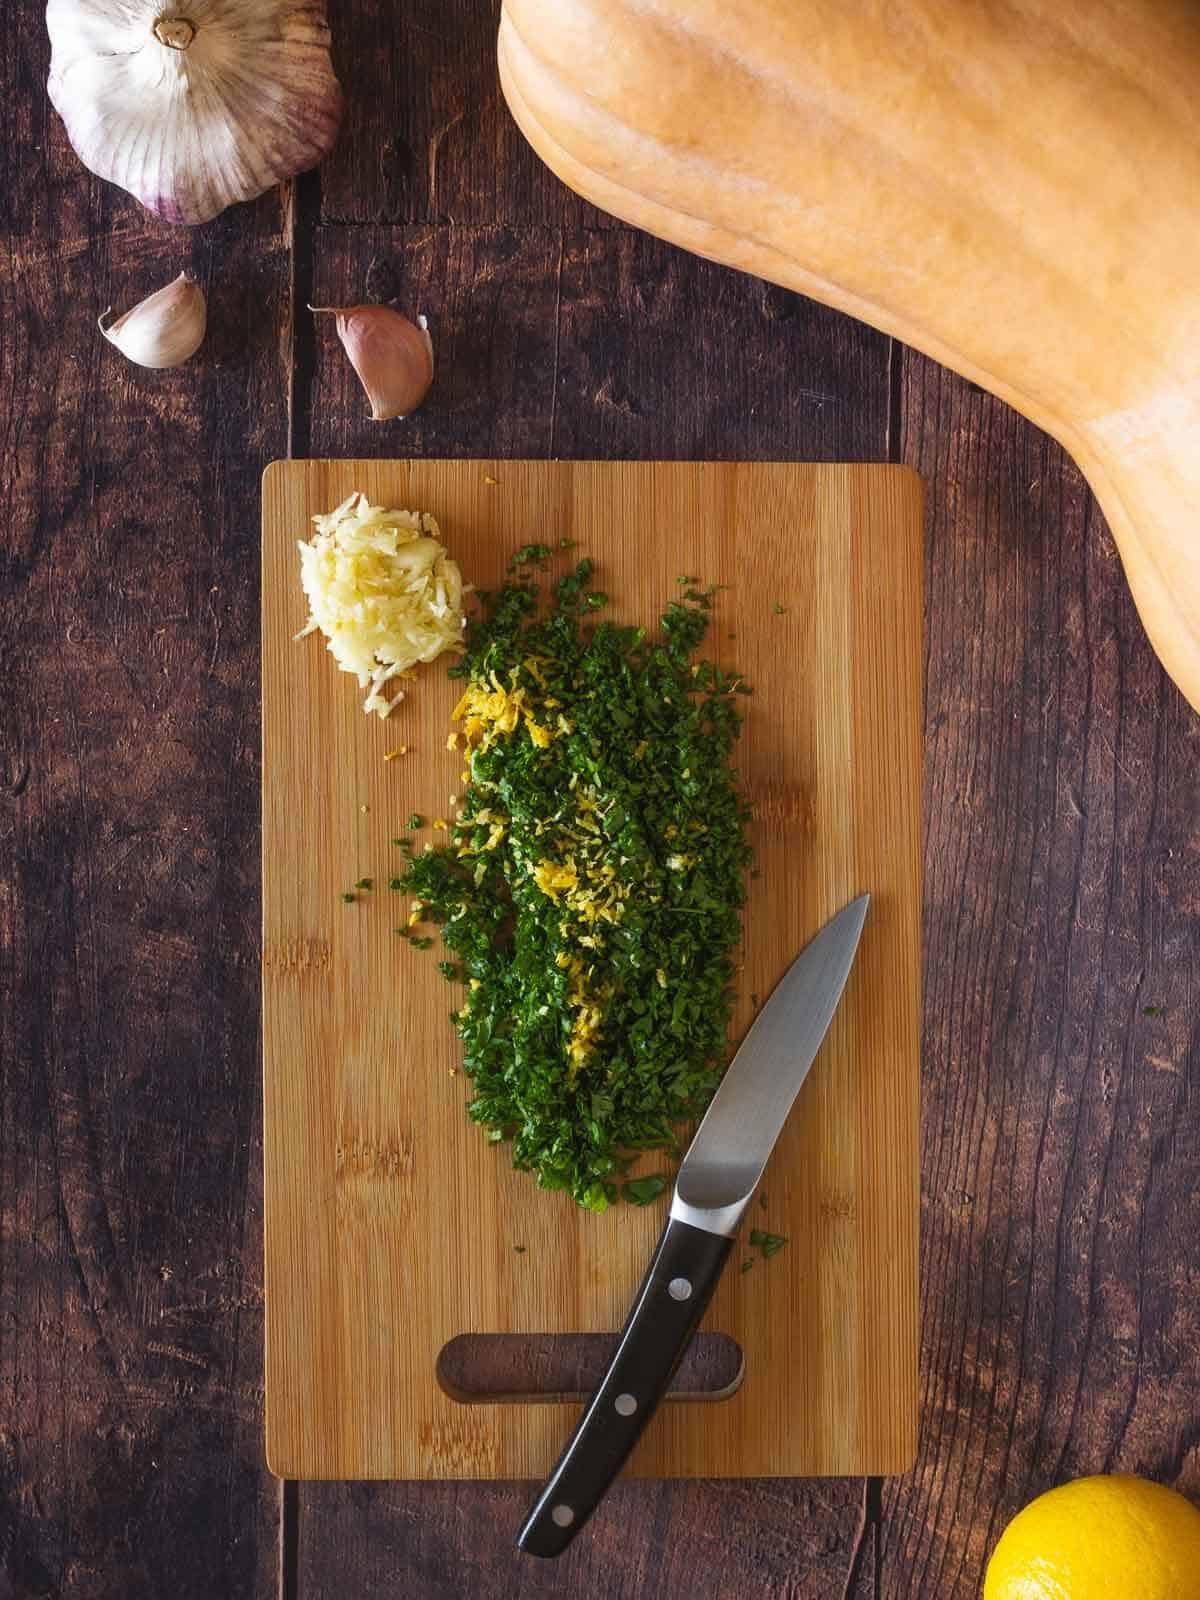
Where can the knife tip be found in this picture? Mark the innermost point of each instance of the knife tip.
(855, 913)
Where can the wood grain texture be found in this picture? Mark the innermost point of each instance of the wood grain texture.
(130, 1151)
(774, 1539)
(427, 136)
(1061, 1151)
(592, 343)
(489, 294)
(570, 1366)
(391, 1223)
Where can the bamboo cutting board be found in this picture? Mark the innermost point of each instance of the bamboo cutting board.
(391, 1224)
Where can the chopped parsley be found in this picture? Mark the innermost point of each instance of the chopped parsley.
(348, 898)
(414, 822)
(364, 883)
(641, 1191)
(592, 883)
(769, 1243)
(529, 555)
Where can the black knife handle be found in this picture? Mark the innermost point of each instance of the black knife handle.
(670, 1303)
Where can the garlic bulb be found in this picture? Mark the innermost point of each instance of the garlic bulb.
(193, 104)
(164, 329)
(392, 356)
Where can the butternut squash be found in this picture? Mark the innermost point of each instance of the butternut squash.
(1012, 186)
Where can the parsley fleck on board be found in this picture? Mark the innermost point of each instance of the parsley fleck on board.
(641, 1191)
(769, 1243)
(592, 882)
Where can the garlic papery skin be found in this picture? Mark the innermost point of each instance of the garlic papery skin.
(191, 105)
(392, 356)
(163, 330)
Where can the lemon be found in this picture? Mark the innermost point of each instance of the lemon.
(1103, 1538)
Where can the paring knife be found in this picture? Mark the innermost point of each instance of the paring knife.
(718, 1176)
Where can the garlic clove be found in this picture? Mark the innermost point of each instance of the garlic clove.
(163, 330)
(192, 105)
(392, 356)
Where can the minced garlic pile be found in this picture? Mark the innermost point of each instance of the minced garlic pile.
(383, 591)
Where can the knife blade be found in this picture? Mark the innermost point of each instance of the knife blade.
(714, 1186)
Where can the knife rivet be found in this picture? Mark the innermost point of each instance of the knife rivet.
(679, 1289)
(562, 1516)
(625, 1405)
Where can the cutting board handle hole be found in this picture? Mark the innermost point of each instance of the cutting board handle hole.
(513, 1368)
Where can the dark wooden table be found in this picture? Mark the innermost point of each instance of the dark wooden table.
(1061, 1212)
